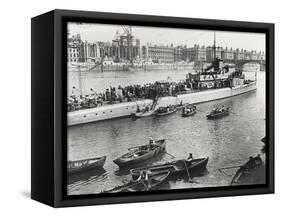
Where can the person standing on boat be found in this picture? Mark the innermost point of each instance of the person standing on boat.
(190, 158)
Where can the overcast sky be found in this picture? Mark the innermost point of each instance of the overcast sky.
(166, 36)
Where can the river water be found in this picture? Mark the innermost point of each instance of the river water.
(228, 141)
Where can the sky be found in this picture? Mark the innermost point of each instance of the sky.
(167, 36)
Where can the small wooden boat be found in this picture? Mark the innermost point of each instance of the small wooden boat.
(143, 114)
(166, 110)
(188, 111)
(177, 167)
(152, 183)
(247, 170)
(218, 113)
(85, 164)
(140, 154)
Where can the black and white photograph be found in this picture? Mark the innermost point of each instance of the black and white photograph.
(156, 108)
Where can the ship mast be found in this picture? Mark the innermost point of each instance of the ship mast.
(214, 45)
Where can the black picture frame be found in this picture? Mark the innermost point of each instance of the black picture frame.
(49, 120)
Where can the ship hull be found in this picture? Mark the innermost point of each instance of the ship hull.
(126, 109)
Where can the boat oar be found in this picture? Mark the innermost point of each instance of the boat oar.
(166, 151)
(136, 183)
(169, 154)
(221, 171)
(144, 185)
(237, 176)
(225, 168)
(189, 177)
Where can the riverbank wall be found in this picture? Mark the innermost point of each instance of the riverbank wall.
(126, 109)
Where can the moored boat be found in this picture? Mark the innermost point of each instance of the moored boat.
(188, 111)
(166, 110)
(152, 182)
(218, 113)
(85, 164)
(249, 172)
(140, 154)
(175, 167)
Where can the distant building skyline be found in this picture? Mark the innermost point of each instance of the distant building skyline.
(167, 36)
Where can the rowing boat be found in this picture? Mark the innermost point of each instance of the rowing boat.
(188, 111)
(152, 183)
(165, 110)
(218, 114)
(249, 172)
(177, 167)
(140, 154)
(85, 164)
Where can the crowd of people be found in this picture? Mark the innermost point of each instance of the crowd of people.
(129, 93)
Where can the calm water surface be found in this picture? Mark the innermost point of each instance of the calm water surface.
(228, 141)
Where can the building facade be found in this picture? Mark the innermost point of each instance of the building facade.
(73, 50)
(210, 53)
(261, 55)
(125, 48)
(227, 54)
(158, 54)
(197, 53)
(238, 54)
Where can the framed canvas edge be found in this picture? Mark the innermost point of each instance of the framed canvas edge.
(60, 200)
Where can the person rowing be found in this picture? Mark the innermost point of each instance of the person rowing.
(152, 143)
(187, 163)
(144, 179)
(189, 159)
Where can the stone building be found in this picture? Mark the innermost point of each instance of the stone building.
(227, 54)
(73, 51)
(196, 53)
(158, 54)
(238, 54)
(210, 53)
(261, 55)
(180, 53)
